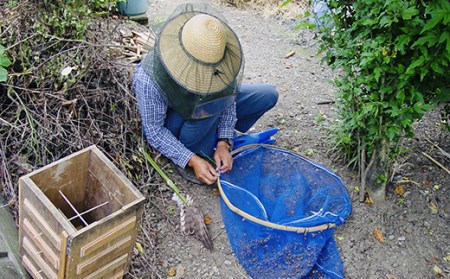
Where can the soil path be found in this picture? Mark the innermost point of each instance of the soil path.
(416, 238)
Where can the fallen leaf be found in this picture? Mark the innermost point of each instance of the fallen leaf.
(309, 152)
(66, 71)
(180, 271)
(434, 209)
(438, 271)
(340, 238)
(172, 272)
(289, 54)
(207, 219)
(368, 200)
(378, 235)
(216, 192)
(400, 190)
(139, 247)
(426, 184)
(282, 89)
(288, 65)
(447, 258)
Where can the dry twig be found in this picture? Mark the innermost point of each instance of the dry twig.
(436, 162)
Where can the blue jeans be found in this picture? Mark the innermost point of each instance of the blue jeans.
(200, 136)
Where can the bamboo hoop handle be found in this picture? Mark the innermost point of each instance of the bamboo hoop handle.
(259, 221)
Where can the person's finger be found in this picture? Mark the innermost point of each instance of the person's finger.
(218, 160)
(208, 178)
(227, 163)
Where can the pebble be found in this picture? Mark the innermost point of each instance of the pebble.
(401, 238)
(391, 237)
(227, 262)
(427, 224)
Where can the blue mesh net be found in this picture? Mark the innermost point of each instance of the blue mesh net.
(296, 204)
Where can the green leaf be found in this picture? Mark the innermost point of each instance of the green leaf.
(423, 73)
(435, 19)
(285, 2)
(385, 21)
(377, 72)
(437, 68)
(416, 63)
(402, 41)
(400, 97)
(445, 37)
(3, 74)
(430, 39)
(409, 13)
(4, 61)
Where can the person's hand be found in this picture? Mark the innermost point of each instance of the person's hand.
(222, 156)
(203, 170)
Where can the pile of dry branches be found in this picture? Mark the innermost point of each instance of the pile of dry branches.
(284, 9)
(63, 95)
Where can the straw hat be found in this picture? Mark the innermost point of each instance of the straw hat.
(199, 51)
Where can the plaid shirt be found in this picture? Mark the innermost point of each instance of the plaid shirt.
(153, 108)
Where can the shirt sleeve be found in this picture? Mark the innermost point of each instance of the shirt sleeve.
(153, 109)
(227, 122)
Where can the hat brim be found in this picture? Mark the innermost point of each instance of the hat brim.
(195, 75)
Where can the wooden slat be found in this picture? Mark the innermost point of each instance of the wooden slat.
(40, 243)
(118, 275)
(100, 273)
(35, 255)
(62, 255)
(108, 236)
(26, 262)
(42, 224)
(105, 254)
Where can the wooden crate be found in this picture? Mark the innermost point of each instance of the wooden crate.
(54, 242)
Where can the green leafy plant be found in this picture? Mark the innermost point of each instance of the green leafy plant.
(70, 19)
(395, 58)
(4, 63)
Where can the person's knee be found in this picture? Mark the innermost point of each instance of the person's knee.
(271, 95)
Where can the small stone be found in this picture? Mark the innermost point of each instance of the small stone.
(401, 238)
(391, 237)
(227, 262)
(427, 224)
(397, 178)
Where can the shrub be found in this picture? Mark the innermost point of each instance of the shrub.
(395, 59)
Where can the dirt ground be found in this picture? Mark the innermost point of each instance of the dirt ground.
(412, 239)
(414, 225)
